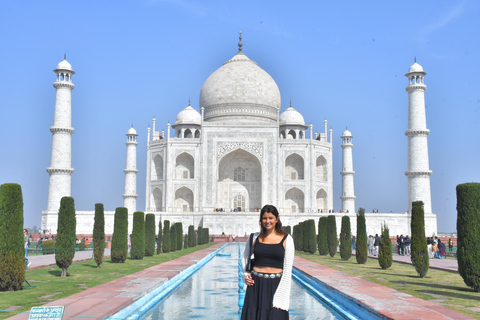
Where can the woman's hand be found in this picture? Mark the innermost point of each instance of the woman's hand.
(249, 280)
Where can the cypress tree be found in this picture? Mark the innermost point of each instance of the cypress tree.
(207, 235)
(160, 236)
(468, 228)
(120, 236)
(185, 242)
(65, 244)
(361, 252)
(332, 235)
(173, 238)
(345, 239)
(419, 248)
(12, 246)
(385, 258)
(200, 235)
(179, 234)
(300, 236)
(191, 236)
(322, 236)
(137, 251)
(295, 236)
(288, 229)
(149, 234)
(99, 234)
(167, 240)
(310, 242)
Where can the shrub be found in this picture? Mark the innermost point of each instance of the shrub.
(81, 246)
(345, 239)
(149, 234)
(332, 240)
(361, 251)
(310, 241)
(66, 236)
(185, 242)
(419, 254)
(179, 235)
(288, 229)
(99, 234)
(173, 238)
(295, 236)
(385, 258)
(200, 235)
(160, 236)
(167, 241)
(468, 228)
(322, 236)
(12, 247)
(191, 236)
(300, 236)
(120, 236)
(207, 235)
(48, 247)
(137, 251)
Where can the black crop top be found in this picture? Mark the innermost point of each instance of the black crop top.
(269, 255)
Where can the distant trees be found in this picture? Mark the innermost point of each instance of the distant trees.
(299, 237)
(149, 234)
(167, 240)
(185, 242)
(345, 239)
(419, 254)
(65, 244)
(179, 235)
(12, 259)
(322, 236)
(385, 258)
(192, 239)
(468, 229)
(200, 235)
(137, 251)
(120, 236)
(332, 235)
(361, 251)
(173, 238)
(288, 229)
(310, 239)
(99, 234)
(160, 236)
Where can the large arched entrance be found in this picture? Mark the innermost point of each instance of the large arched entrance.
(183, 200)
(239, 182)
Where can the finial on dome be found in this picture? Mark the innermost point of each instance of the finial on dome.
(189, 102)
(132, 125)
(65, 56)
(290, 103)
(415, 59)
(240, 44)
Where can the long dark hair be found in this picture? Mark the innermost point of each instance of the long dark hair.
(273, 210)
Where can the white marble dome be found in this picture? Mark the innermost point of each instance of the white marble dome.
(132, 131)
(415, 68)
(64, 65)
(240, 89)
(291, 117)
(347, 134)
(189, 116)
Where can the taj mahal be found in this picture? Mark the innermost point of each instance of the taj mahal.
(216, 167)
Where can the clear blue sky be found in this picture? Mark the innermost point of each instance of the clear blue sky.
(344, 61)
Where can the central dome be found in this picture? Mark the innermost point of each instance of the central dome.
(240, 90)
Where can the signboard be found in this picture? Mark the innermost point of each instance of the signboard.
(46, 313)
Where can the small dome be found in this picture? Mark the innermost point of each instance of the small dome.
(415, 68)
(188, 116)
(64, 65)
(132, 131)
(347, 134)
(291, 117)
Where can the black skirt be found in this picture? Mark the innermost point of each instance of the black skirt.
(258, 303)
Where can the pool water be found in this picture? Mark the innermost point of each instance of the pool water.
(212, 293)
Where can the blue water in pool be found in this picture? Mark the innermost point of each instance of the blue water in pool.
(212, 293)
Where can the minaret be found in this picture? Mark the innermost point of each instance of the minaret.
(418, 172)
(348, 193)
(60, 170)
(130, 191)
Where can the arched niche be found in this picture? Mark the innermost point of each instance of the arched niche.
(184, 166)
(157, 167)
(294, 201)
(294, 167)
(322, 200)
(321, 169)
(157, 200)
(183, 200)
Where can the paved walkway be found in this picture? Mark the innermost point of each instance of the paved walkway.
(109, 298)
(46, 260)
(449, 264)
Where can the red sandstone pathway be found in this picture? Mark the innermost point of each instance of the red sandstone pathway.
(107, 299)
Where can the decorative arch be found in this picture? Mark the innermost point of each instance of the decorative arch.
(197, 133)
(184, 166)
(294, 167)
(322, 200)
(282, 134)
(321, 169)
(294, 201)
(188, 133)
(157, 167)
(292, 134)
(157, 200)
(184, 200)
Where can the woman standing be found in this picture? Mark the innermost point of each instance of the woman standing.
(269, 282)
(26, 243)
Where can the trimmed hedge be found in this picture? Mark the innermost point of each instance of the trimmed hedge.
(322, 236)
(419, 254)
(345, 239)
(173, 238)
(185, 242)
(179, 234)
(12, 247)
(385, 258)
(288, 229)
(332, 240)
(200, 235)
(48, 247)
(310, 239)
(167, 240)
(361, 251)
(149, 234)
(192, 241)
(99, 234)
(120, 236)
(66, 234)
(160, 236)
(137, 251)
(468, 228)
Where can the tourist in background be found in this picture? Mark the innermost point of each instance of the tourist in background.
(26, 243)
(408, 243)
(450, 245)
(269, 282)
(376, 244)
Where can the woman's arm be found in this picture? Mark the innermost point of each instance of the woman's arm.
(281, 299)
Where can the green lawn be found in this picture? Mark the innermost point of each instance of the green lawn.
(445, 288)
(82, 275)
